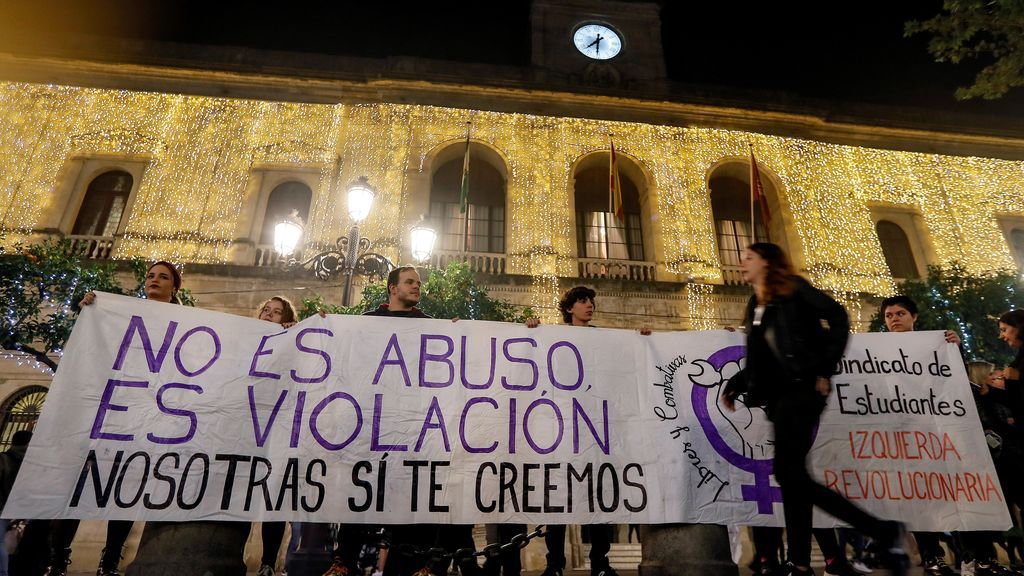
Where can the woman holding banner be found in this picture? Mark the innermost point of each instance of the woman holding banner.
(791, 357)
(161, 284)
(278, 310)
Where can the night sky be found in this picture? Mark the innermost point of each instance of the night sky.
(858, 55)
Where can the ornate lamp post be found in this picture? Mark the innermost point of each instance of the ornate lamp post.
(352, 254)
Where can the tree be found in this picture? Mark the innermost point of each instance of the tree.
(451, 292)
(953, 299)
(989, 30)
(41, 285)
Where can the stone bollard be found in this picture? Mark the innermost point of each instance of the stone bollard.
(675, 549)
(191, 549)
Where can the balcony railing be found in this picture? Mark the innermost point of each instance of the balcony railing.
(616, 269)
(92, 247)
(482, 262)
(265, 256)
(732, 276)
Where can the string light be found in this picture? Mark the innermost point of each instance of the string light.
(195, 197)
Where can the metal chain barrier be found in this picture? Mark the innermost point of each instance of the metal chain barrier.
(440, 555)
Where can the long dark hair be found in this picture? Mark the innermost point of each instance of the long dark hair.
(1015, 318)
(175, 277)
(780, 274)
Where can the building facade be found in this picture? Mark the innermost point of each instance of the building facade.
(194, 159)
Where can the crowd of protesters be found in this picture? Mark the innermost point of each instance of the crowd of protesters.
(795, 334)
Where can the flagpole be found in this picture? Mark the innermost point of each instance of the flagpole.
(753, 221)
(465, 214)
(611, 175)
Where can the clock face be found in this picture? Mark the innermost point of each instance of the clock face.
(597, 41)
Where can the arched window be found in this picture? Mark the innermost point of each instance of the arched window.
(730, 205)
(283, 199)
(104, 204)
(483, 226)
(599, 234)
(20, 412)
(896, 249)
(1017, 244)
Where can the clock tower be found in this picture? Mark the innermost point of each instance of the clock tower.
(600, 43)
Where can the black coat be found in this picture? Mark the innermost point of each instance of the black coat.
(802, 337)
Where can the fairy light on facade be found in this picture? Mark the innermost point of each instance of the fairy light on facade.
(201, 153)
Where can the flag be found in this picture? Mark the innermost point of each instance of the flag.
(464, 189)
(614, 186)
(757, 191)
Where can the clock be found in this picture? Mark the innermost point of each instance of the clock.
(597, 41)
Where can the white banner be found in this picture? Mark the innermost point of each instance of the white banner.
(163, 412)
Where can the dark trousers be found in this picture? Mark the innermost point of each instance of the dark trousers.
(928, 545)
(117, 534)
(272, 533)
(600, 544)
(794, 420)
(768, 549)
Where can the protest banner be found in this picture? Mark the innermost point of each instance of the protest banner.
(163, 412)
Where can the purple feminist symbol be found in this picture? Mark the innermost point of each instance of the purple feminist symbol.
(761, 491)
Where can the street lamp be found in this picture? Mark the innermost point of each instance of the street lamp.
(351, 254)
(422, 242)
(288, 234)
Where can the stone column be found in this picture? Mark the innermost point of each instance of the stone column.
(191, 549)
(670, 549)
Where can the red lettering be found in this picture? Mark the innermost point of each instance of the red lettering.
(947, 445)
(990, 488)
(831, 479)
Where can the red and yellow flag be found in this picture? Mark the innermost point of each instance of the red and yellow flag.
(757, 191)
(614, 186)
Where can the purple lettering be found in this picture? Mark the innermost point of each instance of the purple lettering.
(105, 405)
(315, 415)
(490, 377)
(375, 445)
(518, 360)
(300, 403)
(261, 352)
(577, 414)
(136, 324)
(428, 357)
(551, 365)
(261, 435)
(462, 425)
(321, 353)
(177, 351)
(430, 424)
(175, 412)
(400, 360)
(526, 425)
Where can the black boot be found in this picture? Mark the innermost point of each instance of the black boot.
(59, 561)
(108, 563)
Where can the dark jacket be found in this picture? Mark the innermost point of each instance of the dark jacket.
(10, 463)
(383, 310)
(801, 337)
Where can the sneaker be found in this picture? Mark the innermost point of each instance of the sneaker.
(840, 568)
(937, 567)
(608, 571)
(860, 567)
(265, 570)
(337, 568)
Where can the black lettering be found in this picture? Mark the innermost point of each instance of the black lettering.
(229, 478)
(171, 484)
(202, 486)
(361, 466)
(643, 489)
(92, 466)
(319, 487)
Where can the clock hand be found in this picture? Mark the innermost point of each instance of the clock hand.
(598, 39)
(597, 49)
